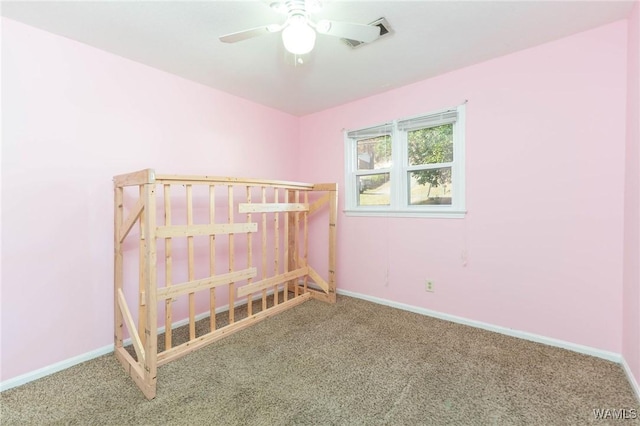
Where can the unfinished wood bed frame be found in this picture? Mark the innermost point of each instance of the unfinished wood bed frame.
(229, 207)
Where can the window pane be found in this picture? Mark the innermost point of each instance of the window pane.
(374, 153)
(431, 145)
(429, 187)
(374, 190)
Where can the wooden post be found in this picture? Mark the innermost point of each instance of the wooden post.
(249, 255)
(168, 269)
(287, 245)
(276, 247)
(190, 265)
(231, 257)
(142, 272)
(212, 257)
(264, 248)
(305, 236)
(294, 217)
(333, 220)
(150, 285)
(118, 274)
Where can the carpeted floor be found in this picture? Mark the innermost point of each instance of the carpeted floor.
(352, 363)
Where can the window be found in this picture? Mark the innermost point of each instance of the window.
(409, 167)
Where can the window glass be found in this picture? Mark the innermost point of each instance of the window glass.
(430, 145)
(374, 190)
(430, 187)
(374, 153)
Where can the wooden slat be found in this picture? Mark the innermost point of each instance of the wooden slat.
(118, 273)
(305, 237)
(151, 326)
(131, 220)
(212, 257)
(168, 270)
(195, 230)
(318, 279)
(276, 247)
(188, 347)
(264, 248)
(268, 282)
(206, 283)
(249, 252)
(142, 269)
(296, 243)
(131, 326)
(287, 244)
(333, 221)
(185, 180)
(319, 203)
(190, 265)
(272, 207)
(231, 256)
(136, 178)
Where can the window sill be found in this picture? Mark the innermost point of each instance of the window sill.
(449, 214)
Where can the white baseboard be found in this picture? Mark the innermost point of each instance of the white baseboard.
(54, 368)
(587, 350)
(70, 362)
(632, 380)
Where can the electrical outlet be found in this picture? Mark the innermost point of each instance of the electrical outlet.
(429, 286)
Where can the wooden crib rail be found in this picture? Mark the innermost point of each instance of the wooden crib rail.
(148, 176)
(251, 223)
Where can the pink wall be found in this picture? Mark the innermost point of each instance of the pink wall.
(73, 117)
(545, 153)
(631, 273)
(543, 233)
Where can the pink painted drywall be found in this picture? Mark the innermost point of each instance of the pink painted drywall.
(543, 234)
(631, 272)
(73, 117)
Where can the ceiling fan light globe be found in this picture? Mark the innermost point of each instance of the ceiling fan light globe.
(299, 38)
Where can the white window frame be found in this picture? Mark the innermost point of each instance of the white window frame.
(399, 203)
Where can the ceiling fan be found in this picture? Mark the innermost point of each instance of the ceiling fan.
(299, 31)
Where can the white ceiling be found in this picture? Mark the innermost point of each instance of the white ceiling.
(431, 38)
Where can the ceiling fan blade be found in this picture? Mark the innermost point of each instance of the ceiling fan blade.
(250, 33)
(359, 32)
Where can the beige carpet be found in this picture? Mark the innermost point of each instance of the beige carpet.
(352, 363)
